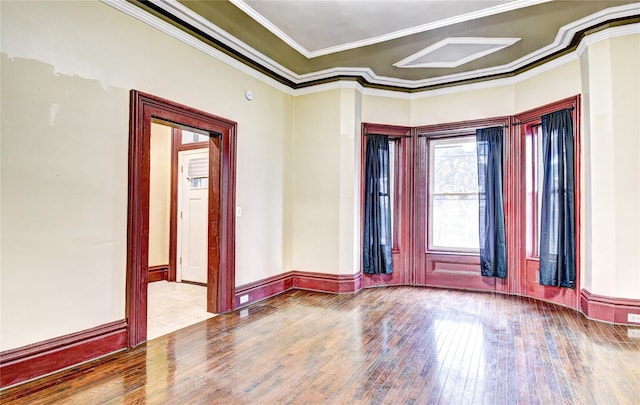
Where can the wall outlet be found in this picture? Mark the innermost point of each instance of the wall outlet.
(635, 318)
(633, 333)
(244, 312)
(244, 298)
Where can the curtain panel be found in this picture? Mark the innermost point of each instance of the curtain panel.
(557, 224)
(493, 250)
(377, 239)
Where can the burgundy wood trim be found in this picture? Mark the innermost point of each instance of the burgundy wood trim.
(262, 289)
(143, 109)
(192, 146)
(513, 175)
(158, 273)
(608, 309)
(418, 265)
(303, 280)
(173, 206)
(28, 362)
(435, 130)
(332, 283)
(528, 283)
(439, 268)
(403, 271)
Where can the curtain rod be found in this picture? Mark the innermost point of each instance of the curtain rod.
(455, 131)
(536, 118)
(388, 136)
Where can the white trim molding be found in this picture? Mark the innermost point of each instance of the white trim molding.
(563, 38)
(496, 44)
(489, 11)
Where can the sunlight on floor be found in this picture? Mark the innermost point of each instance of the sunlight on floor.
(173, 306)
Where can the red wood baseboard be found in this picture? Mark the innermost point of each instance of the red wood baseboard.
(608, 309)
(35, 360)
(261, 289)
(158, 273)
(332, 283)
(269, 287)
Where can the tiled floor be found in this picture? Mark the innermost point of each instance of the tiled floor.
(173, 306)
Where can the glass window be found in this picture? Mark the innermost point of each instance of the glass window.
(393, 150)
(453, 194)
(534, 173)
(198, 173)
(192, 137)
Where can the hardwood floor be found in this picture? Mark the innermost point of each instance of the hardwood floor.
(397, 345)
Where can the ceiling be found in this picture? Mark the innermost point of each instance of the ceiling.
(404, 45)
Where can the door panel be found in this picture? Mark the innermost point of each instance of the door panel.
(193, 223)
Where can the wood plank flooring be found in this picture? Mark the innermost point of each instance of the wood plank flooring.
(396, 345)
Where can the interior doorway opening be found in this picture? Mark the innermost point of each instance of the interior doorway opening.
(178, 217)
(219, 248)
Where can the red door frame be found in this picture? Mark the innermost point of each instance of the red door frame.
(221, 232)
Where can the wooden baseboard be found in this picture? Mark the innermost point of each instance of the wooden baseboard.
(35, 360)
(158, 273)
(269, 287)
(332, 283)
(608, 309)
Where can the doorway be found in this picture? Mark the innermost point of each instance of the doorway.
(220, 248)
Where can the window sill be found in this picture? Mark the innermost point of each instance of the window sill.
(452, 253)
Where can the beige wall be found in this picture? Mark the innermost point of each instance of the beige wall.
(612, 152)
(553, 85)
(66, 74)
(159, 195)
(385, 110)
(67, 68)
(316, 180)
(462, 106)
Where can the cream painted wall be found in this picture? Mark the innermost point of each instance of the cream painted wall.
(349, 219)
(469, 105)
(159, 194)
(385, 110)
(316, 179)
(553, 85)
(612, 147)
(67, 68)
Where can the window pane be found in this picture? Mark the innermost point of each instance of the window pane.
(199, 182)
(392, 187)
(455, 165)
(455, 222)
(453, 194)
(533, 183)
(192, 137)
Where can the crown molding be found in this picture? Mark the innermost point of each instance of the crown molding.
(563, 38)
(606, 34)
(501, 8)
(159, 24)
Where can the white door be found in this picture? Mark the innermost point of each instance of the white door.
(193, 197)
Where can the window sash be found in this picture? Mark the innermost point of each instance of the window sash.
(435, 236)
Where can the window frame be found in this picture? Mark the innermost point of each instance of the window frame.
(430, 162)
(528, 123)
(438, 131)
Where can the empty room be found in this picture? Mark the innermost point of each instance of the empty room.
(325, 202)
